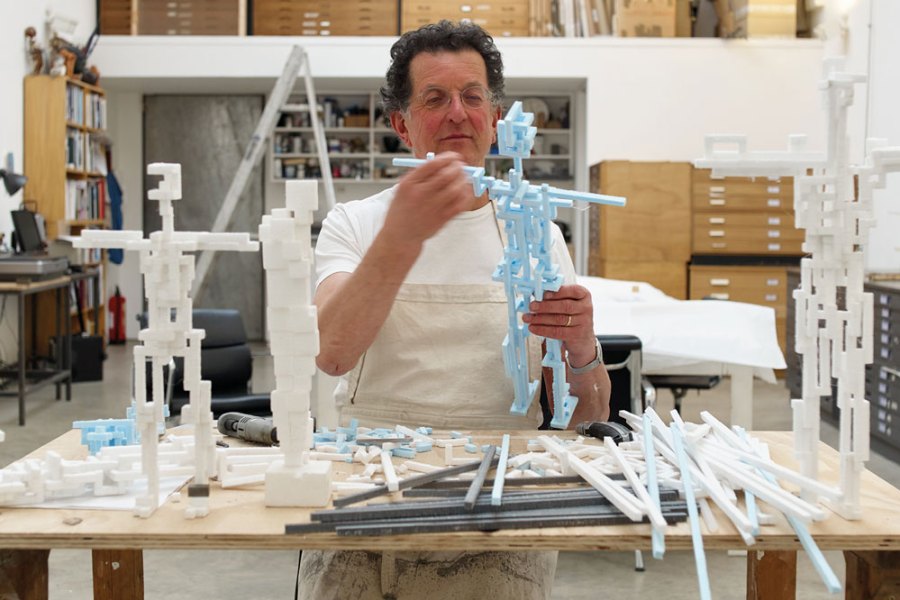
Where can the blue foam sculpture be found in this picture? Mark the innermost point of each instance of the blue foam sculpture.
(527, 269)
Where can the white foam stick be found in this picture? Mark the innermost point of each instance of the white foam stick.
(409, 432)
(712, 525)
(809, 545)
(390, 476)
(414, 465)
(714, 490)
(658, 535)
(768, 492)
(500, 473)
(699, 555)
(653, 511)
(622, 500)
(749, 456)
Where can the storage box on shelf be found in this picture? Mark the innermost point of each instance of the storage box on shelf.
(323, 17)
(65, 123)
(646, 18)
(648, 239)
(173, 17)
(501, 18)
(757, 18)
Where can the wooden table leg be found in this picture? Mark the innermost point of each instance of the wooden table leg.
(118, 574)
(872, 575)
(25, 573)
(771, 575)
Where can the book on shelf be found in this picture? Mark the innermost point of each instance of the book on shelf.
(86, 199)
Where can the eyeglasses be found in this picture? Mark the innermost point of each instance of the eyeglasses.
(436, 98)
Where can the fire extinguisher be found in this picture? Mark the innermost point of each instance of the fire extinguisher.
(117, 314)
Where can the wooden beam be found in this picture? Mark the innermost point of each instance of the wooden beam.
(771, 575)
(872, 575)
(118, 574)
(25, 572)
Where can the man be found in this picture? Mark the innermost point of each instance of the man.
(412, 322)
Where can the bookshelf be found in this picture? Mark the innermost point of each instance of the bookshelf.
(361, 147)
(64, 135)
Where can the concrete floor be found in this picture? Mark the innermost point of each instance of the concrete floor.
(258, 575)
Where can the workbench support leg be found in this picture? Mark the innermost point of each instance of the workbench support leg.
(25, 573)
(118, 574)
(771, 575)
(741, 396)
(872, 575)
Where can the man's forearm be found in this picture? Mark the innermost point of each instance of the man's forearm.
(592, 390)
(351, 314)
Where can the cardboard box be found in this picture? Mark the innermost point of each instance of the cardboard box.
(757, 18)
(645, 18)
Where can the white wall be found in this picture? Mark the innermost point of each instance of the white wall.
(884, 122)
(16, 16)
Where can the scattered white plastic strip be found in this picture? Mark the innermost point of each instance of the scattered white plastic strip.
(653, 511)
(699, 555)
(390, 476)
(658, 535)
(500, 473)
(622, 500)
(832, 583)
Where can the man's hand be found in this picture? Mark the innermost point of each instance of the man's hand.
(566, 315)
(427, 197)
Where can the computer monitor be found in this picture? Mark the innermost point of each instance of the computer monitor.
(28, 235)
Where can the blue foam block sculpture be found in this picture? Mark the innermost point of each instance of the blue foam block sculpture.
(527, 269)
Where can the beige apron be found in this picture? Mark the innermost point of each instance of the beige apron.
(437, 361)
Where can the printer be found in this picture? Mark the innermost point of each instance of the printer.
(30, 260)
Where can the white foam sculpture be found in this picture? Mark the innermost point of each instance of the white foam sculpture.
(168, 274)
(834, 318)
(293, 480)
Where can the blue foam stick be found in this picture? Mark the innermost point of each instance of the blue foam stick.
(658, 538)
(527, 268)
(699, 554)
(500, 473)
(832, 583)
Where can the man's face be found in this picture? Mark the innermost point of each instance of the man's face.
(450, 108)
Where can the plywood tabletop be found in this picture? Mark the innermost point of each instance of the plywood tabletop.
(239, 519)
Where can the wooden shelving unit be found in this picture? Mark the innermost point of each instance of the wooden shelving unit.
(65, 127)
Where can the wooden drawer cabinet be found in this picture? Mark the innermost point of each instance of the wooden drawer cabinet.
(506, 18)
(764, 285)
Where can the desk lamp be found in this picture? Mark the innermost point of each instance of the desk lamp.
(13, 182)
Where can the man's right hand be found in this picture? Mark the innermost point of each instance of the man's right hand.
(427, 197)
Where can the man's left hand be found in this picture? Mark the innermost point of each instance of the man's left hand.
(566, 315)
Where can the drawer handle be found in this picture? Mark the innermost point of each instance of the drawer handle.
(773, 202)
(773, 282)
(719, 189)
(716, 233)
(774, 189)
(774, 233)
(717, 201)
(719, 245)
(717, 220)
(771, 297)
(774, 220)
(774, 247)
(719, 296)
(465, 8)
(720, 281)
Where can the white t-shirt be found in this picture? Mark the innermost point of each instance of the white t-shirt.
(465, 251)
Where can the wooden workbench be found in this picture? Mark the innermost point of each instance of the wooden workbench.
(238, 519)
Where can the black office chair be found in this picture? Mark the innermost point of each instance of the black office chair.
(225, 361)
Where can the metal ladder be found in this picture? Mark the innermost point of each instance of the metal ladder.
(297, 64)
